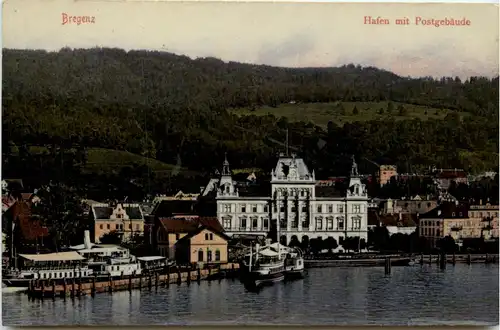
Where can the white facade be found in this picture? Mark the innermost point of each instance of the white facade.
(293, 201)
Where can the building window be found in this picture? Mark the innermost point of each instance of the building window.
(211, 236)
(356, 209)
(200, 255)
(243, 223)
(206, 237)
(275, 208)
(294, 209)
(319, 223)
(340, 223)
(282, 208)
(243, 209)
(266, 208)
(227, 208)
(304, 208)
(302, 193)
(254, 223)
(101, 226)
(117, 226)
(320, 208)
(330, 208)
(209, 256)
(254, 208)
(266, 223)
(217, 255)
(340, 208)
(356, 222)
(226, 222)
(137, 227)
(329, 223)
(108, 226)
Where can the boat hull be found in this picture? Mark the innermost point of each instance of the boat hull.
(16, 283)
(294, 274)
(255, 279)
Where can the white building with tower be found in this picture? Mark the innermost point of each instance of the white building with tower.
(292, 205)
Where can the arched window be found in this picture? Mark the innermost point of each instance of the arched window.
(200, 255)
(217, 255)
(209, 256)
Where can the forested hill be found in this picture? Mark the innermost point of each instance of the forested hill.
(164, 79)
(171, 107)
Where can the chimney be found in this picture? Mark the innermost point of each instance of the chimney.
(86, 239)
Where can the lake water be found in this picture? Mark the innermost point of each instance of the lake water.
(417, 295)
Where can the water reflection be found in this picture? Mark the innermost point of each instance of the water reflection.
(356, 296)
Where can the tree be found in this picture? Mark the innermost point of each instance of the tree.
(378, 238)
(331, 244)
(294, 242)
(381, 111)
(447, 244)
(113, 237)
(390, 107)
(402, 110)
(355, 111)
(61, 210)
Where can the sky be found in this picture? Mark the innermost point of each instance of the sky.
(279, 34)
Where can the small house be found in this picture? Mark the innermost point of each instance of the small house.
(204, 245)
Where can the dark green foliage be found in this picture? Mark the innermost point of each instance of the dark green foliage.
(61, 210)
(355, 111)
(174, 109)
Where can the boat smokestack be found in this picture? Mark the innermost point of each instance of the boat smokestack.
(86, 239)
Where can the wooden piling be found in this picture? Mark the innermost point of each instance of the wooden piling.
(140, 281)
(442, 263)
(468, 259)
(421, 259)
(92, 293)
(43, 289)
(198, 274)
(73, 287)
(179, 277)
(53, 289)
(486, 259)
(438, 259)
(110, 284)
(149, 282)
(65, 288)
(80, 287)
(454, 259)
(167, 282)
(430, 259)
(130, 283)
(156, 280)
(387, 267)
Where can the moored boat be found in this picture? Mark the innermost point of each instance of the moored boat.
(51, 266)
(265, 268)
(294, 264)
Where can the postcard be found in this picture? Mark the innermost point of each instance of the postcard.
(224, 163)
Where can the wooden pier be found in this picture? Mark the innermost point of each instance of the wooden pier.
(92, 285)
(453, 259)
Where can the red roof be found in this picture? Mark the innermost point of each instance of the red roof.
(186, 225)
(31, 229)
(452, 174)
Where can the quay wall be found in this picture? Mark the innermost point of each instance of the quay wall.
(398, 260)
(91, 286)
